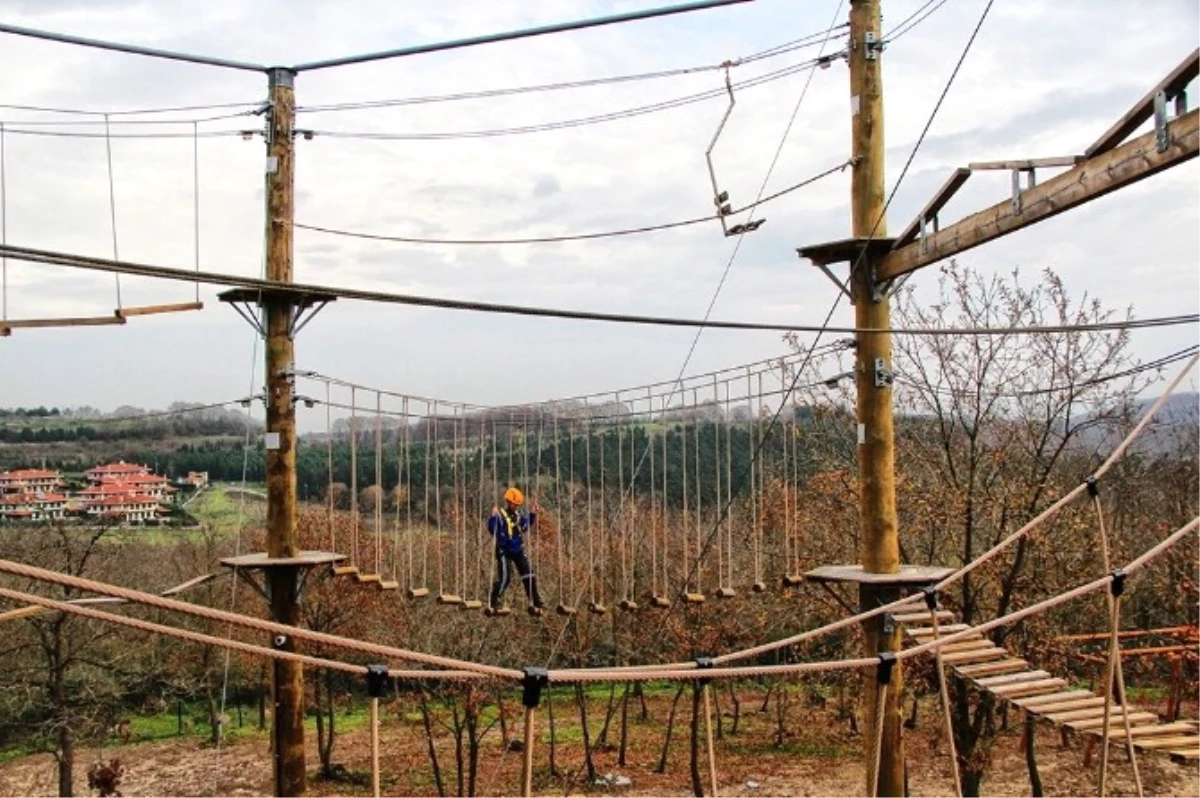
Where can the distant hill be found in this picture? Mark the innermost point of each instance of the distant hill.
(1175, 430)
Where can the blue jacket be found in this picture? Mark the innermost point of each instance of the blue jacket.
(508, 529)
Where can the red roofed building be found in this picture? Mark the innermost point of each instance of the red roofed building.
(130, 508)
(25, 480)
(119, 470)
(36, 506)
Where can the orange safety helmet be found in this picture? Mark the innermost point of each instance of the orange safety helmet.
(514, 496)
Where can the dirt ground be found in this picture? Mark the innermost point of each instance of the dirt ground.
(820, 756)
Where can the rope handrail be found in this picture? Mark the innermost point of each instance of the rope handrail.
(245, 621)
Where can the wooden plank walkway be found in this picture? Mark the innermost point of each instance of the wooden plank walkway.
(977, 660)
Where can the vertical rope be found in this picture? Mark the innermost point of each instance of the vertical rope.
(534, 542)
(794, 439)
(728, 484)
(570, 519)
(685, 526)
(787, 512)
(196, 197)
(666, 536)
(623, 527)
(112, 203)
(603, 525)
(425, 522)
(591, 532)
(354, 477)
(1114, 661)
(378, 483)
(699, 499)
(653, 499)
(717, 484)
(708, 735)
(756, 540)
(477, 577)
(456, 534)
(329, 463)
(944, 692)
(437, 500)
(3, 226)
(396, 498)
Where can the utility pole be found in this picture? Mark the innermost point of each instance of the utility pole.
(282, 542)
(880, 552)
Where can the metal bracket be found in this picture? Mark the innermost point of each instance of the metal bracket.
(871, 46)
(1162, 138)
(833, 278)
(250, 314)
(297, 319)
(883, 377)
(262, 589)
(1017, 189)
(721, 198)
(889, 623)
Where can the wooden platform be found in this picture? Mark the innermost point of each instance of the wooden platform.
(989, 667)
(909, 575)
(260, 559)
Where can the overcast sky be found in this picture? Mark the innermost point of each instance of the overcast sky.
(1043, 79)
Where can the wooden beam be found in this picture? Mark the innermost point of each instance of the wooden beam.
(149, 310)
(85, 321)
(1171, 85)
(1120, 167)
(944, 194)
(1029, 163)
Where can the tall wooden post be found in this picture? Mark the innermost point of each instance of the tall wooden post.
(880, 552)
(288, 682)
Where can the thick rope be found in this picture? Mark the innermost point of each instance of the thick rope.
(876, 761)
(149, 599)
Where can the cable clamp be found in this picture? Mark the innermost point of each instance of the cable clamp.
(704, 664)
(883, 671)
(377, 678)
(1093, 486)
(1117, 587)
(534, 681)
(931, 597)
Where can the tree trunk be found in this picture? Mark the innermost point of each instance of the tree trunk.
(471, 714)
(609, 711)
(662, 759)
(640, 691)
(502, 714)
(433, 757)
(716, 706)
(1035, 778)
(66, 761)
(553, 739)
(694, 748)
(459, 761)
(737, 707)
(326, 745)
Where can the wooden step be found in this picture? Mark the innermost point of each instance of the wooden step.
(1036, 687)
(966, 645)
(389, 584)
(1011, 678)
(1095, 724)
(418, 592)
(1086, 702)
(1152, 743)
(1181, 727)
(345, 570)
(991, 668)
(1032, 703)
(944, 631)
(368, 578)
(1185, 754)
(981, 655)
(1085, 713)
(922, 617)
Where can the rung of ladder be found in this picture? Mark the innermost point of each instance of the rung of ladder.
(1036, 687)
(629, 605)
(992, 668)
(660, 602)
(726, 592)
(449, 599)
(364, 578)
(565, 610)
(792, 580)
(1151, 731)
(758, 587)
(1086, 713)
(1074, 705)
(944, 631)
(1009, 678)
(471, 604)
(981, 655)
(1033, 702)
(345, 570)
(1180, 741)
(967, 645)
(418, 592)
(149, 310)
(497, 612)
(693, 598)
(1095, 724)
(596, 608)
(389, 584)
(1185, 754)
(922, 617)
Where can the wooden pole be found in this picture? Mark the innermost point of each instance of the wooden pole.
(288, 698)
(375, 746)
(876, 446)
(527, 753)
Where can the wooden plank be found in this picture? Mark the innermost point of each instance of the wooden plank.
(1185, 754)
(1055, 707)
(1012, 678)
(1034, 701)
(149, 310)
(1123, 166)
(922, 617)
(1152, 743)
(1085, 713)
(991, 668)
(1165, 728)
(1029, 688)
(364, 578)
(1029, 163)
(982, 655)
(931, 209)
(86, 321)
(1140, 718)
(967, 645)
(199, 580)
(1143, 109)
(944, 631)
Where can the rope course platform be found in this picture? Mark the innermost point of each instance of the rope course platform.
(245, 564)
(989, 667)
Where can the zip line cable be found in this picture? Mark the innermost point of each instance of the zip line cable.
(900, 29)
(569, 237)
